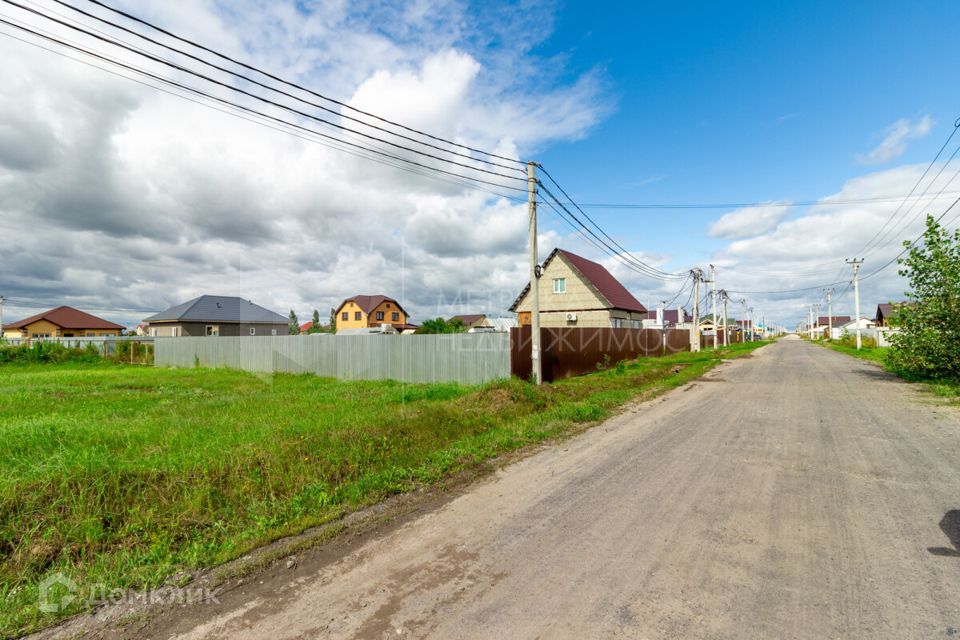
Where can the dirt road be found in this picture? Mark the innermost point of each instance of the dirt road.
(799, 493)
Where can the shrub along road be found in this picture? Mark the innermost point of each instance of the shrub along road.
(798, 493)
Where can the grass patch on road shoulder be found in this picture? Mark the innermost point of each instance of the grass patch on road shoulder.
(121, 477)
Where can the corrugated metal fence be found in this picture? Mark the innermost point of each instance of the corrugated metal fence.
(465, 358)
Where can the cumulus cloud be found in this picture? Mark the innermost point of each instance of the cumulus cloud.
(895, 140)
(802, 256)
(122, 200)
(748, 222)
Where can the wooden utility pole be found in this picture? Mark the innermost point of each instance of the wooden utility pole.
(534, 276)
(856, 295)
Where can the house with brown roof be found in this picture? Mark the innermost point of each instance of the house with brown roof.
(576, 292)
(361, 312)
(887, 312)
(61, 322)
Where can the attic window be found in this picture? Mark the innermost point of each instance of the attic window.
(559, 285)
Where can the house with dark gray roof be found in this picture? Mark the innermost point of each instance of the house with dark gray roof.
(217, 316)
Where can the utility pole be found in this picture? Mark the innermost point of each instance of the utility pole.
(856, 295)
(830, 313)
(725, 298)
(810, 322)
(750, 322)
(816, 317)
(695, 329)
(534, 276)
(713, 306)
(1, 318)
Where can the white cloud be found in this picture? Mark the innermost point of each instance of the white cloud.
(895, 140)
(748, 222)
(145, 200)
(809, 251)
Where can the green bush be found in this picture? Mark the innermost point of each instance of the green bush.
(928, 344)
(47, 352)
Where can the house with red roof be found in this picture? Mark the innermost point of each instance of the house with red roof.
(369, 311)
(576, 292)
(61, 322)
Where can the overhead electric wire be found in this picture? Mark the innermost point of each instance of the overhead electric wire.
(917, 184)
(739, 205)
(260, 114)
(279, 91)
(605, 234)
(294, 85)
(274, 103)
(636, 265)
(901, 228)
(911, 244)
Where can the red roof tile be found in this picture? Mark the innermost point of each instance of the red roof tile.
(602, 280)
(67, 318)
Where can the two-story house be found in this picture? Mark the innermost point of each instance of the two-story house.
(576, 292)
(360, 312)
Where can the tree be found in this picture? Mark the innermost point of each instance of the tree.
(315, 327)
(293, 327)
(333, 320)
(439, 325)
(928, 343)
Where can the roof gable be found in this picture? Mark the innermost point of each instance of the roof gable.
(595, 275)
(67, 318)
(368, 303)
(218, 309)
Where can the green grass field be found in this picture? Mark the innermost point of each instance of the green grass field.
(123, 475)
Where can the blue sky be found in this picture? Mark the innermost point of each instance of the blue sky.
(720, 102)
(146, 200)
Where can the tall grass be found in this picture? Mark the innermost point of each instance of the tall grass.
(124, 476)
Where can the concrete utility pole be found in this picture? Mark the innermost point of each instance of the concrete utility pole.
(810, 322)
(1, 317)
(725, 298)
(534, 276)
(830, 314)
(695, 329)
(713, 306)
(856, 295)
(816, 317)
(750, 322)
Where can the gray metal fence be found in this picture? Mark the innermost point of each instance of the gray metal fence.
(464, 358)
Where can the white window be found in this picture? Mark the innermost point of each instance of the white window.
(213, 329)
(559, 285)
(273, 332)
(153, 331)
(636, 324)
(253, 331)
(616, 322)
(175, 332)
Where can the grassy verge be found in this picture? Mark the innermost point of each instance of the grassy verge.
(120, 477)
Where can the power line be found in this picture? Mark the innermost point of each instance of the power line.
(744, 205)
(367, 154)
(917, 184)
(605, 234)
(280, 91)
(260, 114)
(636, 265)
(249, 94)
(294, 85)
